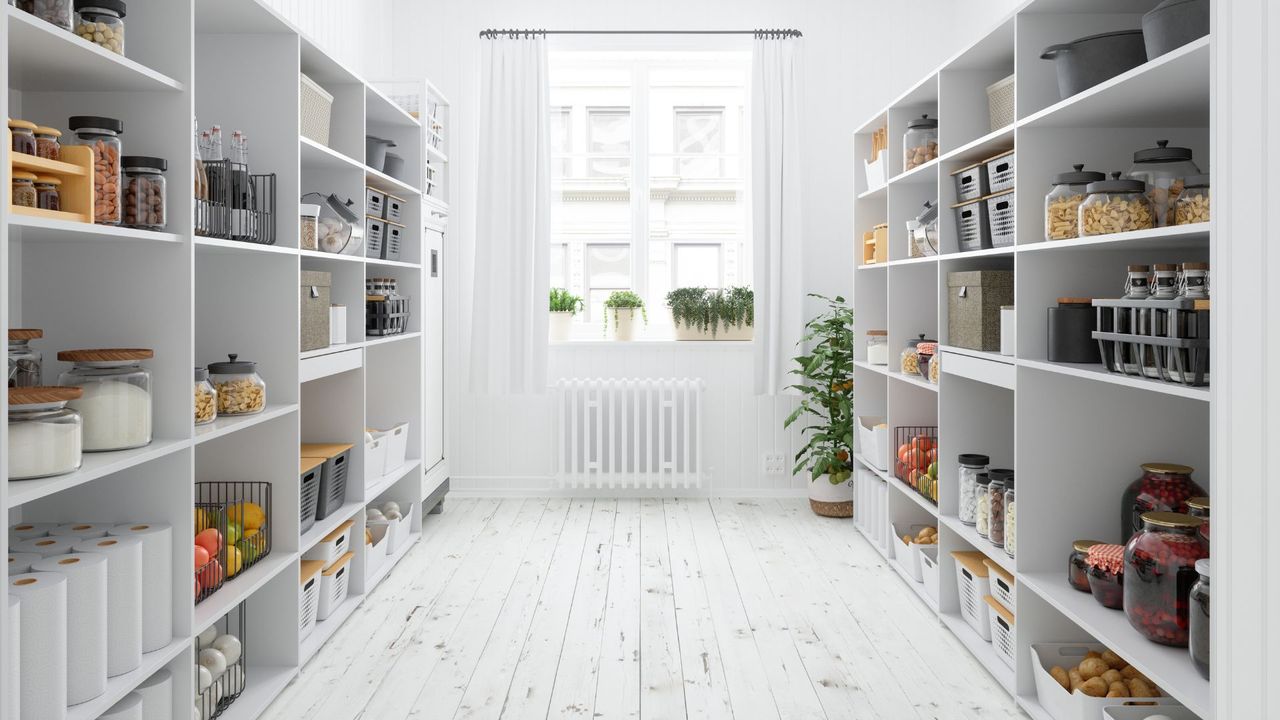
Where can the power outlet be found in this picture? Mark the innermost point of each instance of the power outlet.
(774, 463)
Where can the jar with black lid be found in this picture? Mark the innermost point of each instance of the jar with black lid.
(101, 22)
(1198, 641)
(1071, 326)
(971, 466)
(1117, 205)
(144, 192)
(102, 136)
(1165, 171)
(995, 503)
(919, 142)
(1062, 204)
(1077, 564)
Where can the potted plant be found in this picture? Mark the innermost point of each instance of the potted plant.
(564, 305)
(702, 314)
(826, 389)
(622, 306)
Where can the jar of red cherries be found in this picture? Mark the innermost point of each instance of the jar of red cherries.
(1160, 568)
(1199, 507)
(1106, 574)
(1163, 487)
(1077, 568)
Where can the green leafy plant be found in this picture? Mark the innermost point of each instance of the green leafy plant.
(564, 301)
(701, 308)
(624, 299)
(826, 390)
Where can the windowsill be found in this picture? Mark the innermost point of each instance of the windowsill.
(691, 344)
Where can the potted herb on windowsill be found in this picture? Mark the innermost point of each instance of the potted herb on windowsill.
(703, 314)
(826, 390)
(564, 305)
(621, 307)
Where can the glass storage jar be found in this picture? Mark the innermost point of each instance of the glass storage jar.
(144, 191)
(101, 22)
(1193, 203)
(1062, 204)
(995, 503)
(1010, 519)
(1199, 507)
(1193, 281)
(205, 398)
(49, 143)
(44, 434)
(1137, 282)
(116, 403)
(1162, 487)
(102, 135)
(910, 359)
(1105, 565)
(241, 390)
(1115, 206)
(48, 192)
(971, 466)
(926, 352)
(1164, 284)
(307, 217)
(982, 513)
(1077, 564)
(1165, 170)
(919, 142)
(26, 365)
(24, 189)
(56, 12)
(24, 136)
(1159, 568)
(878, 347)
(1198, 640)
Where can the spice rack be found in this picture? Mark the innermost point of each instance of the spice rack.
(76, 173)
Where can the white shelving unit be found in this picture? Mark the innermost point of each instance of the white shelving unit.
(195, 299)
(1064, 429)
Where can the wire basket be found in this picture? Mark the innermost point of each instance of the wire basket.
(916, 455)
(1165, 340)
(245, 517)
(1000, 217)
(215, 699)
(210, 576)
(241, 206)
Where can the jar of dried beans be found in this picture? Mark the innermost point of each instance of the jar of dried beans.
(1159, 568)
(1062, 204)
(1162, 487)
(144, 192)
(102, 135)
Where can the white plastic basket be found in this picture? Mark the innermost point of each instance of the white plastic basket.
(873, 441)
(1121, 712)
(333, 546)
(973, 586)
(1000, 96)
(375, 459)
(315, 110)
(1064, 705)
(1003, 585)
(875, 171)
(375, 553)
(908, 554)
(308, 602)
(402, 528)
(929, 569)
(333, 586)
(1000, 215)
(1002, 631)
(1001, 171)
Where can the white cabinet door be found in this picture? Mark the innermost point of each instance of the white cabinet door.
(433, 347)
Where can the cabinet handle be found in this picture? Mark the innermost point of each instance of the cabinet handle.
(435, 263)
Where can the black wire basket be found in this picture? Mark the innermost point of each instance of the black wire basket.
(242, 511)
(915, 459)
(226, 687)
(211, 575)
(241, 206)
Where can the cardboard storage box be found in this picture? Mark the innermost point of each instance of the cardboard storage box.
(973, 307)
(315, 309)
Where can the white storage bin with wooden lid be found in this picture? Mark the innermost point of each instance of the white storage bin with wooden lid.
(973, 586)
(1002, 636)
(331, 548)
(333, 585)
(1003, 585)
(308, 596)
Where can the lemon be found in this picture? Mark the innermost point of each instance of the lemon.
(234, 561)
(249, 515)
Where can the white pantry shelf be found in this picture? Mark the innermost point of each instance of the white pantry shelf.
(1100, 374)
(919, 174)
(1178, 236)
(40, 229)
(238, 589)
(386, 183)
(374, 342)
(913, 380)
(219, 245)
(227, 424)
(92, 467)
(970, 535)
(317, 156)
(375, 488)
(121, 685)
(331, 522)
(330, 257)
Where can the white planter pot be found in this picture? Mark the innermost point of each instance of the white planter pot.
(737, 332)
(624, 323)
(561, 323)
(831, 500)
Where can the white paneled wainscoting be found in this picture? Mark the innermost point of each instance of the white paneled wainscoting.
(508, 445)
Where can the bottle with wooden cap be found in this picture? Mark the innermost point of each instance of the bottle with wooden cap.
(116, 404)
(1194, 281)
(1165, 285)
(45, 436)
(25, 363)
(1137, 283)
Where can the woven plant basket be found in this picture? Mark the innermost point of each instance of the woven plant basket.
(830, 500)
(832, 509)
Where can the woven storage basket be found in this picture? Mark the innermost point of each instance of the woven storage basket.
(1000, 102)
(315, 110)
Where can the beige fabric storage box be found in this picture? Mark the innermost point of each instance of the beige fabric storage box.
(973, 307)
(316, 286)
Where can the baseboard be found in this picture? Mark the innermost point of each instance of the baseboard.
(537, 487)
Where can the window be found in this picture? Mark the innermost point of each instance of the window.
(648, 192)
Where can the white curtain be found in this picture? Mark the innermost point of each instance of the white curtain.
(512, 253)
(776, 80)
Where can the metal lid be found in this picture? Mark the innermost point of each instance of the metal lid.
(1052, 51)
(1200, 502)
(25, 334)
(1162, 153)
(929, 214)
(974, 460)
(1116, 185)
(105, 355)
(233, 366)
(1084, 545)
(1202, 567)
(1172, 520)
(43, 395)
(924, 121)
(911, 344)
(1201, 180)
(143, 161)
(202, 374)
(116, 6)
(95, 122)
(1000, 474)
(1163, 468)
(1079, 176)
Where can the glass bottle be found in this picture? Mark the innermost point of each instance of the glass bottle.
(1115, 206)
(1193, 283)
(1105, 565)
(910, 359)
(1164, 169)
(919, 142)
(878, 347)
(1162, 487)
(971, 465)
(44, 434)
(1198, 623)
(1165, 286)
(995, 503)
(48, 195)
(54, 12)
(1137, 283)
(23, 193)
(1159, 568)
(205, 398)
(101, 22)
(102, 135)
(116, 399)
(1193, 203)
(241, 390)
(1062, 204)
(49, 143)
(1077, 564)
(144, 192)
(1199, 507)
(24, 137)
(25, 362)
(982, 514)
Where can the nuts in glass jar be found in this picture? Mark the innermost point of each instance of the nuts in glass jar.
(240, 397)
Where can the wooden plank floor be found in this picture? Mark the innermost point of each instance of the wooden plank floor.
(662, 609)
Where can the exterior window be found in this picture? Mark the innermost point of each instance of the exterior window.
(700, 132)
(608, 269)
(559, 265)
(697, 266)
(609, 141)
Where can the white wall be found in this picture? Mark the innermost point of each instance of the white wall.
(350, 30)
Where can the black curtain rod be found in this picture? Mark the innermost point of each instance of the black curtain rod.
(762, 33)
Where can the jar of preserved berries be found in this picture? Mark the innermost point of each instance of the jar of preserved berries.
(982, 512)
(1199, 507)
(1077, 564)
(1162, 487)
(1010, 519)
(971, 465)
(48, 194)
(1062, 204)
(24, 189)
(1198, 642)
(24, 136)
(926, 351)
(1159, 568)
(1105, 565)
(995, 503)
(1115, 206)
(49, 143)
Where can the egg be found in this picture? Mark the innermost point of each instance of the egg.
(214, 661)
(391, 506)
(205, 639)
(393, 515)
(204, 678)
(229, 646)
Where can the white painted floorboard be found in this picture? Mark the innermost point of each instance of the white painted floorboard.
(666, 609)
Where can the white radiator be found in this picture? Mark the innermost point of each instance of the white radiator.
(641, 434)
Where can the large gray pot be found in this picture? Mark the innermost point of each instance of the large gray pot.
(1174, 23)
(1085, 62)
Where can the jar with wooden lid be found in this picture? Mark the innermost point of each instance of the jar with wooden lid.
(878, 347)
(26, 365)
(1193, 203)
(45, 436)
(1193, 282)
(48, 192)
(241, 390)
(1062, 204)
(24, 136)
(1159, 568)
(1115, 206)
(1163, 487)
(49, 143)
(116, 399)
(1078, 566)
(1137, 282)
(1164, 285)
(24, 189)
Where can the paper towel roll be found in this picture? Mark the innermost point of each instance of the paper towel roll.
(43, 680)
(12, 693)
(86, 622)
(46, 546)
(130, 708)
(26, 531)
(84, 531)
(157, 696)
(157, 581)
(124, 600)
(21, 562)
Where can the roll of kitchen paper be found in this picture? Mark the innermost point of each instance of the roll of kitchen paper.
(43, 674)
(26, 531)
(157, 581)
(124, 600)
(46, 546)
(130, 708)
(11, 692)
(84, 531)
(157, 696)
(21, 562)
(86, 622)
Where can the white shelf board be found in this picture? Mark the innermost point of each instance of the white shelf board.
(315, 155)
(46, 230)
(262, 685)
(434, 203)
(121, 685)
(339, 359)
(385, 568)
(227, 424)
(914, 496)
(915, 261)
(433, 152)
(328, 525)
(917, 174)
(372, 342)
(878, 472)
(970, 535)
(1099, 373)
(1169, 667)
(240, 587)
(873, 266)
(917, 587)
(393, 263)
(913, 380)
(386, 183)
(980, 649)
(219, 245)
(45, 58)
(881, 369)
(1170, 91)
(1178, 236)
(381, 110)
(379, 486)
(330, 350)
(92, 467)
(980, 149)
(326, 628)
(874, 192)
(984, 367)
(985, 252)
(330, 257)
